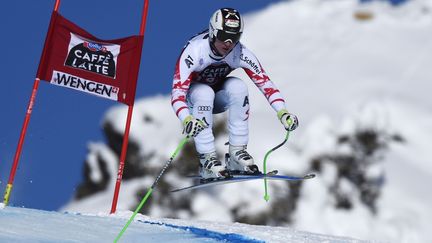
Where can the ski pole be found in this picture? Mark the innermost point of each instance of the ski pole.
(266, 196)
(149, 192)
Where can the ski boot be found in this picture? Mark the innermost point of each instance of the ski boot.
(240, 162)
(211, 168)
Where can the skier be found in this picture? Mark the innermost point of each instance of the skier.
(201, 88)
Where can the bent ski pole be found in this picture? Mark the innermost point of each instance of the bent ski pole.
(149, 192)
(266, 196)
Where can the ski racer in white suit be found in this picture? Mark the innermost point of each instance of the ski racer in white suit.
(201, 88)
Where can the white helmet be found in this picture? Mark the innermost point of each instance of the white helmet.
(225, 24)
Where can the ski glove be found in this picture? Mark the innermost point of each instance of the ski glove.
(193, 126)
(289, 121)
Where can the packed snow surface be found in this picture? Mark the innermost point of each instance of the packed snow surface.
(30, 225)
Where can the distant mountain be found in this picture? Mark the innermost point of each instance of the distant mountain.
(358, 77)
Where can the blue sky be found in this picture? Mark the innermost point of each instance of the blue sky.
(64, 120)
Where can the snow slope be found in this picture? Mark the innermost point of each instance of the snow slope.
(30, 225)
(338, 74)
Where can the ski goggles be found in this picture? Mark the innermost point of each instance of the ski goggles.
(228, 36)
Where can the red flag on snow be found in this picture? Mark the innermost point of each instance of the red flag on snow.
(75, 59)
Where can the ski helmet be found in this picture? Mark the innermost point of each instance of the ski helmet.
(225, 24)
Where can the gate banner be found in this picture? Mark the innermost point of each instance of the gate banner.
(75, 59)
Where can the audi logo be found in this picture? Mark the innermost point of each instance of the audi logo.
(204, 108)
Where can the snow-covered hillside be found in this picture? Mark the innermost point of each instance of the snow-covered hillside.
(346, 77)
(24, 225)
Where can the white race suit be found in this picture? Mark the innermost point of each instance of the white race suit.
(201, 88)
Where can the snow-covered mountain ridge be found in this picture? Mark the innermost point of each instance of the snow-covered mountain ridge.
(349, 80)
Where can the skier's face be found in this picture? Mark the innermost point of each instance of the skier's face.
(223, 47)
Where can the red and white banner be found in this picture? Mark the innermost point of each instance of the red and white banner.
(75, 59)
